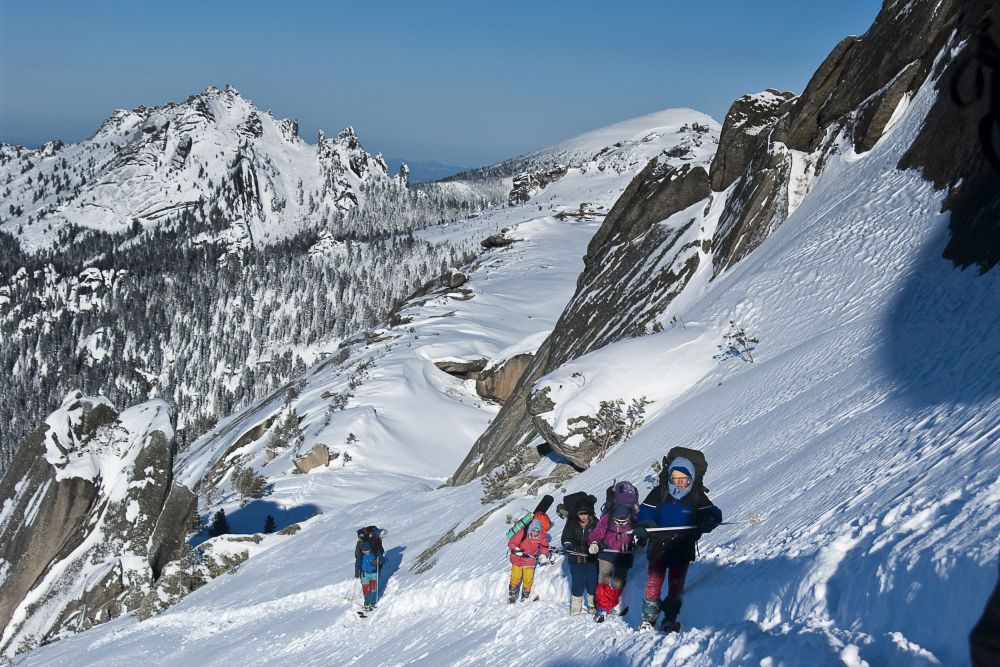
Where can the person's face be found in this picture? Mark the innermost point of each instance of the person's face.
(583, 517)
(679, 479)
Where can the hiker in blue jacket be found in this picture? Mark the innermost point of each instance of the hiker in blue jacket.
(368, 564)
(679, 501)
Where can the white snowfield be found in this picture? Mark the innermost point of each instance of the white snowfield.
(861, 441)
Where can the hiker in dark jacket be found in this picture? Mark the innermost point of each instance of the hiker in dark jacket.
(679, 501)
(582, 565)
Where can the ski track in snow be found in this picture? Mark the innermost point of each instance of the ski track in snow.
(861, 437)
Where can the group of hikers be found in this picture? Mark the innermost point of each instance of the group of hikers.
(600, 550)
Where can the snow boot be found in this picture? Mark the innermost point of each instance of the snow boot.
(670, 610)
(650, 611)
(525, 594)
(575, 605)
(601, 615)
(646, 626)
(591, 607)
(511, 594)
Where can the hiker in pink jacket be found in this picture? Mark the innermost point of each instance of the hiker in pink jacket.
(527, 547)
(612, 539)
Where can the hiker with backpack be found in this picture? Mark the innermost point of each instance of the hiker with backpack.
(368, 566)
(612, 542)
(580, 523)
(673, 517)
(528, 547)
(369, 560)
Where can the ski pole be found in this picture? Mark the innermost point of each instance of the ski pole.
(663, 530)
(568, 552)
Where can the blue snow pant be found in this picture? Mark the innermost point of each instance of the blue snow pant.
(582, 577)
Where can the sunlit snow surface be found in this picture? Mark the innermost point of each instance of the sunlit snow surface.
(862, 436)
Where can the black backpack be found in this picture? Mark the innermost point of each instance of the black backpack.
(573, 502)
(373, 536)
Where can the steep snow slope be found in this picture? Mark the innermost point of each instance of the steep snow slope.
(859, 436)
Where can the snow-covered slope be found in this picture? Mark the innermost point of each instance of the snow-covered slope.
(382, 399)
(148, 164)
(858, 437)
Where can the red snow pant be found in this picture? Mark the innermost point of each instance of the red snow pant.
(611, 581)
(675, 575)
(369, 582)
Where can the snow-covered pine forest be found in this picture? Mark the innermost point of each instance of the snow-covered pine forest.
(805, 292)
(212, 294)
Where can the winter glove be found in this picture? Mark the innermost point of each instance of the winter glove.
(593, 549)
(543, 559)
(568, 546)
(707, 523)
(518, 553)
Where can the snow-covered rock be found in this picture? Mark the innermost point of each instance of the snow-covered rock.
(91, 516)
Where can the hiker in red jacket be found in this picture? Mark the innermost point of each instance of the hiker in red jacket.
(527, 548)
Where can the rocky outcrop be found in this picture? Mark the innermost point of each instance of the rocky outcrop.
(318, 456)
(496, 241)
(456, 278)
(497, 382)
(526, 185)
(853, 94)
(182, 151)
(951, 149)
(91, 516)
(747, 124)
(772, 146)
(467, 370)
(649, 246)
(757, 205)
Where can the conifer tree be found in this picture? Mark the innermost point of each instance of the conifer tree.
(219, 525)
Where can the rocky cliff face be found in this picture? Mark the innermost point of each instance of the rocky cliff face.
(90, 517)
(527, 185)
(670, 223)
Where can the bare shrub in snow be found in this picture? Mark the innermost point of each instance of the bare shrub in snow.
(613, 423)
(495, 485)
(736, 343)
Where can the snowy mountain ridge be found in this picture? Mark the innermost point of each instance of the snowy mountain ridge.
(148, 163)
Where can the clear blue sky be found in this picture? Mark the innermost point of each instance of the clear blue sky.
(467, 82)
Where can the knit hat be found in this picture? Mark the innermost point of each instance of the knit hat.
(535, 526)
